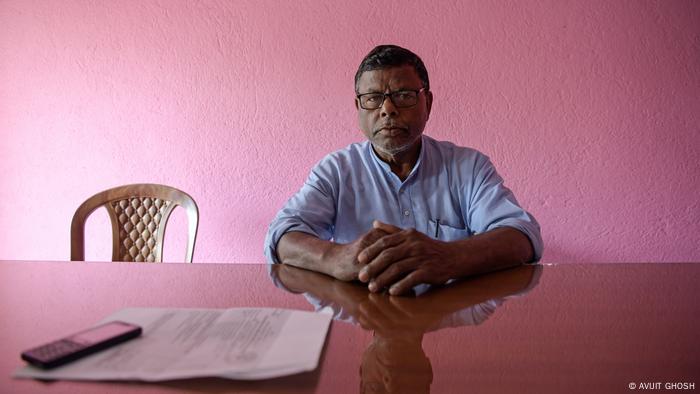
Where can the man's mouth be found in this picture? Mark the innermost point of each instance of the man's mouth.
(390, 131)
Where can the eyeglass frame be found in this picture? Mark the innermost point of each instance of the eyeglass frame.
(385, 95)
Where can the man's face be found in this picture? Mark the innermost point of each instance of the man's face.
(391, 129)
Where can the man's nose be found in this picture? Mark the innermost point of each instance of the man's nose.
(388, 108)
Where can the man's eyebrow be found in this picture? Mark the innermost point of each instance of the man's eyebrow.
(379, 91)
(373, 91)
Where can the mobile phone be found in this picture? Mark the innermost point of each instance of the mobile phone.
(81, 344)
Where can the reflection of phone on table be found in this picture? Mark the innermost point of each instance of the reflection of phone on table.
(81, 344)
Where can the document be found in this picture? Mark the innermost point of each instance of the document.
(177, 343)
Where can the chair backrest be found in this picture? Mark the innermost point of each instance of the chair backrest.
(139, 214)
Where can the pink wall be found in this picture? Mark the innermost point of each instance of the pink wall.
(589, 109)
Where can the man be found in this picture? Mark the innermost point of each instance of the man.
(401, 209)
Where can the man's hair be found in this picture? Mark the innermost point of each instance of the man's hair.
(386, 56)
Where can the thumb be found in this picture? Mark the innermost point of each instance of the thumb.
(385, 227)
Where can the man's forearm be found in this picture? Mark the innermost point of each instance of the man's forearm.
(337, 260)
(494, 250)
(497, 249)
(305, 251)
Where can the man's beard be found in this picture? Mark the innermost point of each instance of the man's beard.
(395, 150)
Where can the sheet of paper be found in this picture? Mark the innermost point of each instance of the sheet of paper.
(241, 343)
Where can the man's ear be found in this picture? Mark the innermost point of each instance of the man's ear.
(357, 103)
(429, 101)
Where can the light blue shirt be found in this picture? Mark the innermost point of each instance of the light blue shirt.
(453, 188)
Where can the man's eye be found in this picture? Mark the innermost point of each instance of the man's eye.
(371, 99)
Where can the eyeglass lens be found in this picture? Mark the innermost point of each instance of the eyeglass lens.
(400, 99)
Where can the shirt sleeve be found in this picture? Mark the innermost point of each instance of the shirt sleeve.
(493, 205)
(311, 210)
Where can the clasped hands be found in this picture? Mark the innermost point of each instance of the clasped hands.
(390, 257)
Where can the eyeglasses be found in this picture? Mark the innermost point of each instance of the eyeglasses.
(400, 99)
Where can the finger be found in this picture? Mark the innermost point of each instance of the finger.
(385, 307)
(347, 295)
(407, 283)
(378, 315)
(385, 227)
(385, 259)
(390, 251)
(372, 236)
(393, 273)
(409, 304)
(370, 314)
(370, 252)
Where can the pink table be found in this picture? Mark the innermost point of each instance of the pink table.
(564, 328)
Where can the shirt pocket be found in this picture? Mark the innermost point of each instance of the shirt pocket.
(446, 233)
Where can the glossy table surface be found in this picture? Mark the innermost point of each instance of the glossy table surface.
(567, 328)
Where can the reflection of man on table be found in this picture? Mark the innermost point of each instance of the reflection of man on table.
(401, 209)
(395, 361)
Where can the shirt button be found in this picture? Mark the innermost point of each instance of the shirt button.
(406, 212)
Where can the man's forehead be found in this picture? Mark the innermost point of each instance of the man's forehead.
(390, 77)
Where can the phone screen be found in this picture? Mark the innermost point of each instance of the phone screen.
(101, 333)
